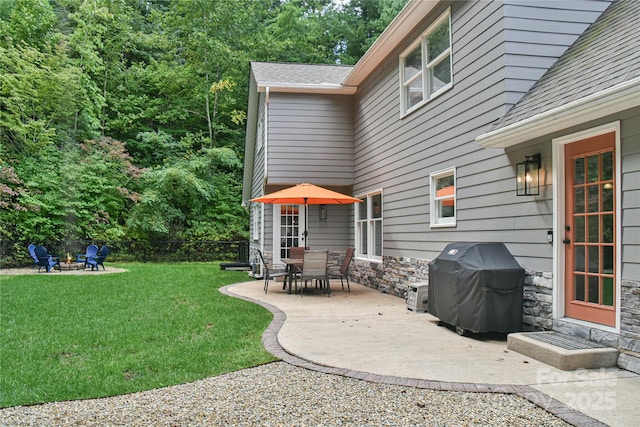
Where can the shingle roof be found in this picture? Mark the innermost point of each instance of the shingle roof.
(270, 73)
(605, 55)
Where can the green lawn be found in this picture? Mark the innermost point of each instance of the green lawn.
(65, 337)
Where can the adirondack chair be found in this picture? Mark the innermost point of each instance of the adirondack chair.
(46, 260)
(90, 252)
(32, 252)
(97, 260)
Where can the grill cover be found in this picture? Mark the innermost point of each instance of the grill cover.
(477, 286)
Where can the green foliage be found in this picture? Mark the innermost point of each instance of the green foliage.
(37, 94)
(167, 77)
(76, 337)
(196, 197)
(27, 22)
(153, 148)
(359, 24)
(173, 194)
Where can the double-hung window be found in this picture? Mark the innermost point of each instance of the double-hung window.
(443, 198)
(369, 227)
(426, 66)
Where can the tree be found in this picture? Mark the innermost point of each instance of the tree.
(92, 22)
(38, 93)
(94, 91)
(195, 197)
(358, 23)
(27, 22)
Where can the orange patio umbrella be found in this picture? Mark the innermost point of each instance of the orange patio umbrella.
(306, 194)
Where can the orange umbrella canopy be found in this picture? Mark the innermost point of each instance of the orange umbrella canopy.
(306, 194)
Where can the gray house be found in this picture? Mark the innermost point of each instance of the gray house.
(502, 121)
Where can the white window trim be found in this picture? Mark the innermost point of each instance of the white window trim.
(427, 96)
(435, 221)
(256, 223)
(369, 221)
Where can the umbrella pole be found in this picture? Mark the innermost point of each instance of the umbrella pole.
(306, 233)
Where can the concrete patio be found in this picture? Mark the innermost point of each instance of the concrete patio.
(370, 335)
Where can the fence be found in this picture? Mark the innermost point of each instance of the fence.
(15, 254)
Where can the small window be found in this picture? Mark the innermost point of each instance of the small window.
(369, 227)
(443, 198)
(260, 134)
(256, 222)
(425, 68)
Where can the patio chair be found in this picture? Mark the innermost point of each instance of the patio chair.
(270, 272)
(297, 252)
(98, 260)
(343, 273)
(314, 267)
(32, 252)
(90, 252)
(46, 260)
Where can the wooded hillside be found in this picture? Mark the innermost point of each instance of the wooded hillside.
(124, 119)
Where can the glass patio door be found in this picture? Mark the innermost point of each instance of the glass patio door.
(290, 228)
(590, 225)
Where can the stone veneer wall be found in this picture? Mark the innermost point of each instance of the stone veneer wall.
(392, 276)
(537, 301)
(395, 274)
(629, 341)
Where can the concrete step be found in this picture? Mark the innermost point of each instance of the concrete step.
(562, 351)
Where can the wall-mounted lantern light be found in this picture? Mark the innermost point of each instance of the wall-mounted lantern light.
(528, 176)
(323, 212)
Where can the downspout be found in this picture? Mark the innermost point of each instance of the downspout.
(266, 151)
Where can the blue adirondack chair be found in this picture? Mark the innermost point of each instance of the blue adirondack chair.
(32, 252)
(46, 260)
(90, 252)
(98, 259)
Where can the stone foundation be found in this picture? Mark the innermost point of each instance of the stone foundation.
(392, 276)
(537, 301)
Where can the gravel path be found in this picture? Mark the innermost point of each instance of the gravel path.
(28, 270)
(279, 394)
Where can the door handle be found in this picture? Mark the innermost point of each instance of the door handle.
(566, 241)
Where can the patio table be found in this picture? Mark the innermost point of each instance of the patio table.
(291, 264)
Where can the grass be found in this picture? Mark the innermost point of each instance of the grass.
(66, 337)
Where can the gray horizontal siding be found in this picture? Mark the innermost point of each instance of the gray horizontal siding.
(398, 154)
(630, 167)
(330, 234)
(537, 33)
(310, 139)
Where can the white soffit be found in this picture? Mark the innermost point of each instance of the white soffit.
(610, 101)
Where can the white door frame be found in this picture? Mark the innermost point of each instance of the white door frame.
(559, 220)
(276, 229)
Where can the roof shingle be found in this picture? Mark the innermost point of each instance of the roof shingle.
(270, 73)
